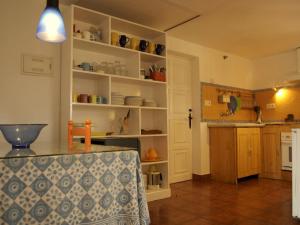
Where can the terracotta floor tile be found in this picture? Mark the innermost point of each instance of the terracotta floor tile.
(252, 202)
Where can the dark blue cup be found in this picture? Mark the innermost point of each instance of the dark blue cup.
(143, 45)
(159, 49)
(123, 40)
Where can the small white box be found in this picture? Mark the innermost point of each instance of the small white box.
(224, 98)
(37, 65)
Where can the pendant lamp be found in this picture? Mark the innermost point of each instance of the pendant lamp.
(51, 26)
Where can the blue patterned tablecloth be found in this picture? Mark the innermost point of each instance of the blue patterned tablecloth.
(93, 188)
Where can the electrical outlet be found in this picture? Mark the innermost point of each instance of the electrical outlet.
(207, 102)
(271, 106)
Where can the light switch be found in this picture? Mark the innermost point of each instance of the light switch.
(271, 106)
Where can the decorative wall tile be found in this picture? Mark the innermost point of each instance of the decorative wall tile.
(94, 188)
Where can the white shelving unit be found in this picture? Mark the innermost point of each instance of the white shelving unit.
(106, 117)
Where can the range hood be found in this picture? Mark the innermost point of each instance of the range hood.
(292, 79)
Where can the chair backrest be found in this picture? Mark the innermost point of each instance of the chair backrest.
(79, 131)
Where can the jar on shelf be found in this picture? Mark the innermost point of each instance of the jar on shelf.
(124, 71)
(104, 67)
(110, 68)
(117, 68)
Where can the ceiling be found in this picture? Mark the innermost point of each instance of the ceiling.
(249, 28)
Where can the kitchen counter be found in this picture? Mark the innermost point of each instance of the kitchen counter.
(235, 125)
(240, 124)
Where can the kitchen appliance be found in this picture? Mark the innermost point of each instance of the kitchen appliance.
(154, 179)
(296, 172)
(286, 151)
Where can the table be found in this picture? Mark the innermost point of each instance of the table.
(88, 188)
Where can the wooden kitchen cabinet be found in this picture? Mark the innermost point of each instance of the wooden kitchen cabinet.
(234, 153)
(248, 151)
(271, 152)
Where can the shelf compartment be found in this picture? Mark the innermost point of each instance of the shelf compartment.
(154, 120)
(163, 168)
(89, 51)
(156, 92)
(108, 119)
(85, 18)
(159, 143)
(99, 87)
(137, 30)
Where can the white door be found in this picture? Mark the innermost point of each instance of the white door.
(180, 100)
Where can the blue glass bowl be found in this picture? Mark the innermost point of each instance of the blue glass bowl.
(21, 135)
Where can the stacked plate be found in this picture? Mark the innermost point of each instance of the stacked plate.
(134, 100)
(117, 98)
(149, 103)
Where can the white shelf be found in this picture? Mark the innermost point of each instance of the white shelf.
(96, 46)
(161, 193)
(117, 106)
(95, 75)
(107, 117)
(154, 163)
(153, 135)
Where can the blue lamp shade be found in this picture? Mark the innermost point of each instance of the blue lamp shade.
(51, 26)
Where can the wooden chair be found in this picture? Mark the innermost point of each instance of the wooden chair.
(79, 131)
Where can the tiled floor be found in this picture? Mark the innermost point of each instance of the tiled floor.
(252, 202)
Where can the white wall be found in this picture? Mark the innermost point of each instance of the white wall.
(27, 99)
(273, 69)
(234, 71)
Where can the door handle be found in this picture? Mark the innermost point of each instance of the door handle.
(190, 118)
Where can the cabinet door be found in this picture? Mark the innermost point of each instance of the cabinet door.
(255, 150)
(243, 151)
(248, 148)
(271, 160)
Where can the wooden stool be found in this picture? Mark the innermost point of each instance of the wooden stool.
(79, 131)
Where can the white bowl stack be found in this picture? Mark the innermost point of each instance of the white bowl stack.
(134, 100)
(117, 98)
(149, 103)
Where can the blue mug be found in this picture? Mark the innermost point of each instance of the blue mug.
(159, 49)
(143, 45)
(123, 40)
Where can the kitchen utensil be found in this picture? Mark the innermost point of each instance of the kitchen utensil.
(239, 103)
(159, 49)
(232, 105)
(134, 100)
(145, 132)
(75, 97)
(158, 76)
(78, 34)
(114, 38)
(154, 179)
(85, 66)
(20, 136)
(290, 118)
(86, 35)
(123, 40)
(83, 98)
(134, 43)
(143, 45)
(92, 99)
(125, 124)
(151, 47)
(151, 154)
